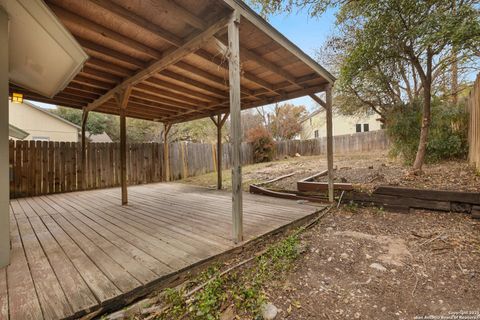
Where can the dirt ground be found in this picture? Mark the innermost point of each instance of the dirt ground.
(364, 170)
(367, 171)
(363, 263)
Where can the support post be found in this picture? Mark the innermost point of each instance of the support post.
(219, 122)
(329, 112)
(166, 152)
(122, 100)
(236, 129)
(4, 150)
(219, 153)
(84, 149)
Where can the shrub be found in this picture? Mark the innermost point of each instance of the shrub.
(447, 137)
(262, 142)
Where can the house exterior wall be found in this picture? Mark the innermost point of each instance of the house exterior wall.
(40, 125)
(315, 126)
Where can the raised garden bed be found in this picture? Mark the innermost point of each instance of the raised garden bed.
(396, 198)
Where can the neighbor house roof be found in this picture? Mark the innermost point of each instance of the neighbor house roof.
(101, 137)
(177, 54)
(312, 114)
(16, 132)
(51, 114)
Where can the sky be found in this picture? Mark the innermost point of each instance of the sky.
(307, 33)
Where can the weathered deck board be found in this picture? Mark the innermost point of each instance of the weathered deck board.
(72, 253)
(23, 302)
(3, 294)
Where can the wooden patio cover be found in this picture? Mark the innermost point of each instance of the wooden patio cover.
(175, 61)
(179, 49)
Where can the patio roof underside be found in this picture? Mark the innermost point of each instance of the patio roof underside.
(124, 37)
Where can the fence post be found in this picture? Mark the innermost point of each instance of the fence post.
(166, 152)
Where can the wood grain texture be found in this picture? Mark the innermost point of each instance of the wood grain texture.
(474, 124)
(77, 252)
(163, 48)
(236, 127)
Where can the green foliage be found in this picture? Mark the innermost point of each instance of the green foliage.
(285, 121)
(448, 131)
(96, 124)
(202, 131)
(244, 288)
(262, 143)
(393, 52)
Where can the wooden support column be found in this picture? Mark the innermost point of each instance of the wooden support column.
(236, 129)
(327, 105)
(219, 122)
(166, 152)
(122, 100)
(84, 149)
(329, 112)
(4, 150)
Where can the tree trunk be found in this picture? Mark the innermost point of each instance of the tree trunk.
(426, 116)
(454, 77)
(426, 78)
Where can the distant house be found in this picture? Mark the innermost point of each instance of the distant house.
(41, 124)
(314, 125)
(16, 133)
(102, 137)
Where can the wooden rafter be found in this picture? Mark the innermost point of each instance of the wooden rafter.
(249, 55)
(132, 37)
(167, 36)
(285, 96)
(318, 100)
(192, 44)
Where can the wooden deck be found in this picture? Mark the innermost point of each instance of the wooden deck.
(75, 252)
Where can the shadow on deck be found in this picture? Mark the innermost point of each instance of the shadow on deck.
(80, 252)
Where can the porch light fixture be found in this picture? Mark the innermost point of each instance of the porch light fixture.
(17, 97)
(43, 56)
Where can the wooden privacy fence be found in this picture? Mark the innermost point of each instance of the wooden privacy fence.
(358, 142)
(474, 124)
(40, 167)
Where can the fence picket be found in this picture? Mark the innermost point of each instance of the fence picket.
(50, 167)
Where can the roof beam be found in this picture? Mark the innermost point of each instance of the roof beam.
(274, 34)
(282, 97)
(101, 65)
(82, 79)
(207, 56)
(183, 14)
(182, 91)
(139, 21)
(318, 100)
(210, 77)
(68, 17)
(193, 43)
(158, 31)
(247, 54)
(112, 54)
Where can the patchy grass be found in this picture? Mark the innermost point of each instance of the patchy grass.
(248, 173)
(241, 290)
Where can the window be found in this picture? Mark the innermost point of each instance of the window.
(316, 133)
(358, 127)
(41, 138)
(365, 127)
